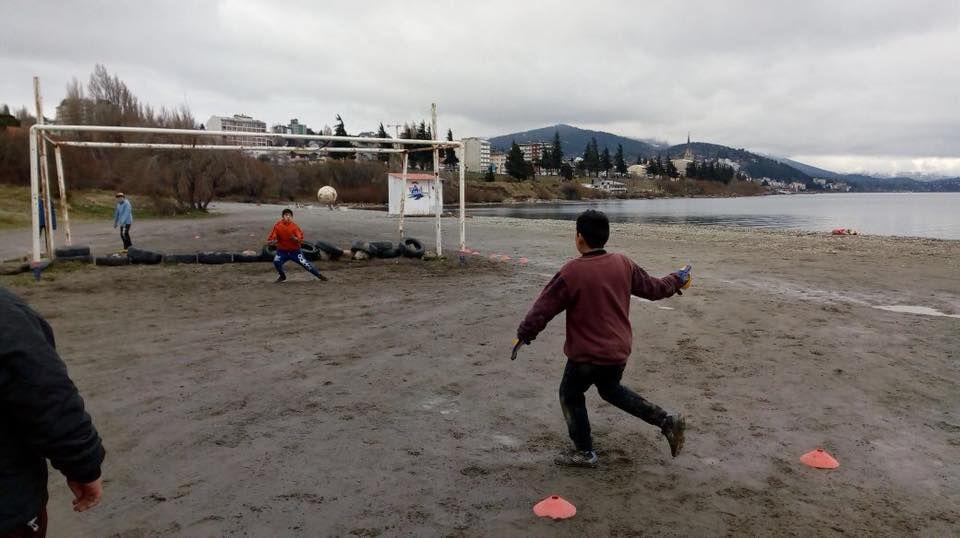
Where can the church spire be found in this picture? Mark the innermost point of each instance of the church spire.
(688, 153)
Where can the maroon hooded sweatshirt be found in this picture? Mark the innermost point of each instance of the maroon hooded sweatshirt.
(595, 291)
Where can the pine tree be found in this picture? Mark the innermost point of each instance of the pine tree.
(421, 159)
(556, 152)
(591, 157)
(618, 161)
(516, 166)
(605, 162)
(341, 130)
(658, 169)
(450, 156)
(382, 133)
(545, 162)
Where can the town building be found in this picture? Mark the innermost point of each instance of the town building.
(475, 154)
(241, 123)
(533, 151)
(498, 162)
(637, 170)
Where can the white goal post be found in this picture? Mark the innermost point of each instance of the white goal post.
(42, 136)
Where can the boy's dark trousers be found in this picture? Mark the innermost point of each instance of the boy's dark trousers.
(35, 528)
(577, 378)
(125, 235)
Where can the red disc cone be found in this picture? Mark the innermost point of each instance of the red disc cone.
(820, 459)
(555, 507)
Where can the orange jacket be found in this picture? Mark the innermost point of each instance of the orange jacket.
(283, 233)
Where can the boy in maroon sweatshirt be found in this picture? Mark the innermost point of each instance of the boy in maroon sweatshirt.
(595, 291)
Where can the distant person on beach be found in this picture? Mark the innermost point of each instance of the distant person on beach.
(42, 418)
(288, 237)
(123, 217)
(43, 217)
(595, 291)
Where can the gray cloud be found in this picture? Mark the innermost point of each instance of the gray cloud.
(826, 80)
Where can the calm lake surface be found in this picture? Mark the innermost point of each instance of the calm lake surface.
(906, 214)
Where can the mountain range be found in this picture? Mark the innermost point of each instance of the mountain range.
(573, 141)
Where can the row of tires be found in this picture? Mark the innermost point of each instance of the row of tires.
(313, 251)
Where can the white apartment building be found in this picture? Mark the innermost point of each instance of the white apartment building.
(239, 122)
(499, 162)
(533, 151)
(475, 154)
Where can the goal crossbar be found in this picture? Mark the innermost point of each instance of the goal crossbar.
(41, 136)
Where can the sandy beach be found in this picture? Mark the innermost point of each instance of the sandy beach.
(384, 403)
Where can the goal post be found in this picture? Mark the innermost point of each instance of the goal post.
(42, 134)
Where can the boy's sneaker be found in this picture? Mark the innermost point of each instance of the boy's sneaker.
(280, 279)
(673, 428)
(577, 458)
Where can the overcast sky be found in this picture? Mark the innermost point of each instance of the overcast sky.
(866, 85)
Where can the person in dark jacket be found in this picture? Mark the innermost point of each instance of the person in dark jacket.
(595, 291)
(42, 418)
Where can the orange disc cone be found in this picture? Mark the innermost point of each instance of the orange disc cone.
(820, 459)
(555, 507)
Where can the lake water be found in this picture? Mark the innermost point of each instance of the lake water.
(906, 214)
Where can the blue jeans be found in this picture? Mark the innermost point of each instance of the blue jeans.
(283, 256)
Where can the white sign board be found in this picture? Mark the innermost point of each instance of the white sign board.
(420, 194)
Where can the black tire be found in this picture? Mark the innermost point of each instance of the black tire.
(78, 259)
(246, 257)
(266, 254)
(332, 252)
(384, 249)
(180, 258)
(380, 249)
(112, 261)
(214, 258)
(14, 269)
(413, 248)
(310, 252)
(139, 255)
(359, 245)
(71, 252)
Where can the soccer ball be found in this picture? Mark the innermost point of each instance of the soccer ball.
(327, 195)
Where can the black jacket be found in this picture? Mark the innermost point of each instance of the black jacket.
(41, 416)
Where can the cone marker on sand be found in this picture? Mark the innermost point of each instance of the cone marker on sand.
(820, 459)
(555, 507)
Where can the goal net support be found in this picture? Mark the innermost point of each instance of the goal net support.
(45, 136)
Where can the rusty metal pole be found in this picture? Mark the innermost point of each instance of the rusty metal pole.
(438, 188)
(65, 207)
(44, 173)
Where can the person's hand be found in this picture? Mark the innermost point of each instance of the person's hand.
(87, 495)
(295, 238)
(517, 343)
(685, 277)
(272, 243)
